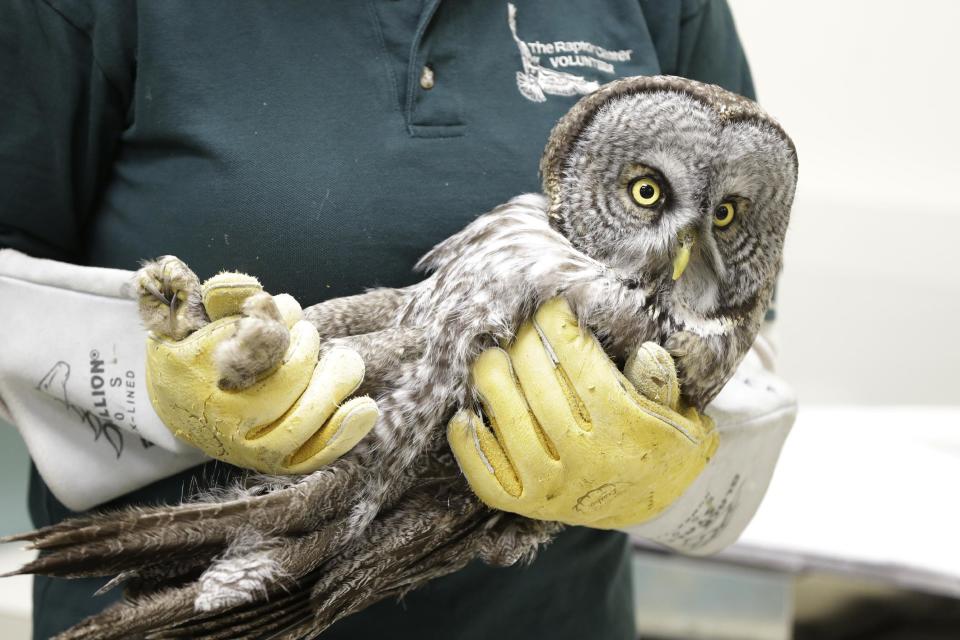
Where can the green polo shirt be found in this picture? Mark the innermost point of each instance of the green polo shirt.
(323, 146)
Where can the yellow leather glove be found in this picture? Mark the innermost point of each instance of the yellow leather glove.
(572, 440)
(295, 420)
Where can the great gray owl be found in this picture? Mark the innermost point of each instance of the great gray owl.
(663, 218)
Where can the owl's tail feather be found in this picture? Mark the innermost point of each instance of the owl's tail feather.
(132, 539)
(420, 539)
(262, 620)
(123, 553)
(433, 531)
(159, 621)
(302, 581)
(173, 611)
(404, 547)
(228, 595)
(134, 619)
(136, 518)
(462, 530)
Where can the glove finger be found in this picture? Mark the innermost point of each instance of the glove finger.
(580, 361)
(349, 424)
(607, 397)
(568, 379)
(528, 449)
(551, 397)
(335, 378)
(290, 310)
(482, 461)
(224, 293)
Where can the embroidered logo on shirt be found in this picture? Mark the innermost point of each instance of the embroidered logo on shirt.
(536, 81)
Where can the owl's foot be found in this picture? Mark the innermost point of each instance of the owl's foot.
(652, 371)
(168, 296)
(256, 348)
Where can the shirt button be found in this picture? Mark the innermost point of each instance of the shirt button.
(426, 78)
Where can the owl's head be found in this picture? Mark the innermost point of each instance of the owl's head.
(683, 186)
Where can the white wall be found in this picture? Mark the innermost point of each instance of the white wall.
(870, 296)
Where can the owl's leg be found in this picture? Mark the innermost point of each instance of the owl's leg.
(168, 298)
(357, 322)
(355, 315)
(262, 338)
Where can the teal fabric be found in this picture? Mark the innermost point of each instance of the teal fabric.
(294, 141)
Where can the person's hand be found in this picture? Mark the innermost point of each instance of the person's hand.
(295, 420)
(570, 438)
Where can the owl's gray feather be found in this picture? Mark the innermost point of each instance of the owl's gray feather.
(288, 557)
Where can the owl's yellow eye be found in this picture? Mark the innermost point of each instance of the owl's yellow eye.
(645, 191)
(724, 214)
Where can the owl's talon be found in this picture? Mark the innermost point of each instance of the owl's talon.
(152, 290)
(173, 314)
(169, 298)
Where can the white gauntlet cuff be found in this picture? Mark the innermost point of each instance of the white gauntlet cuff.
(72, 380)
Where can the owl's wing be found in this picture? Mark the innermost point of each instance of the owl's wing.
(477, 232)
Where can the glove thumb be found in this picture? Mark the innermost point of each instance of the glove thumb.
(224, 293)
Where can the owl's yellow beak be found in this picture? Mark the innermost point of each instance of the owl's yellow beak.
(687, 238)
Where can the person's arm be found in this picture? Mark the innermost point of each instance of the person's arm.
(710, 49)
(72, 380)
(73, 377)
(63, 104)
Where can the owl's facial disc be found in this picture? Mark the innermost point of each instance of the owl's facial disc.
(658, 188)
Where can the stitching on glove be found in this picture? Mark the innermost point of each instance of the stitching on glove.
(504, 470)
(483, 457)
(577, 407)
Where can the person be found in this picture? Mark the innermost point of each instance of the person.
(323, 147)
